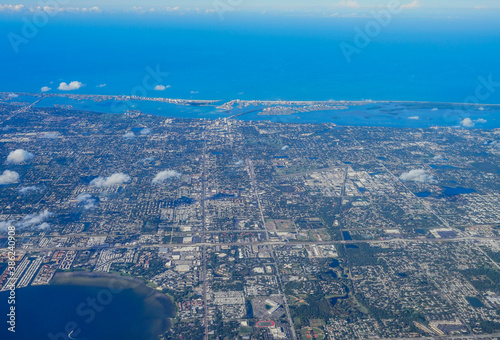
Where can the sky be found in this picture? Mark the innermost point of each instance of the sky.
(209, 6)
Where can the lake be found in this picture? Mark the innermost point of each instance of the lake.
(88, 307)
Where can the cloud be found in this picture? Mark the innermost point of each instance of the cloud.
(19, 156)
(162, 87)
(412, 5)
(438, 158)
(145, 131)
(285, 148)
(129, 135)
(164, 175)
(74, 85)
(4, 226)
(418, 175)
(32, 220)
(14, 8)
(45, 89)
(195, 92)
(114, 179)
(50, 135)
(348, 4)
(26, 190)
(43, 226)
(86, 200)
(102, 85)
(414, 117)
(468, 123)
(435, 109)
(52, 9)
(9, 177)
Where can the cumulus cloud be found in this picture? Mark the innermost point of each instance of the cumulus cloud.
(34, 220)
(414, 117)
(438, 158)
(52, 9)
(86, 200)
(50, 135)
(45, 89)
(348, 4)
(468, 123)
(162, 87)
(8, 7)
(411, 5)
(74, 85)
(285, 147)
(145, 131)
(4, 226)
(27, 190)
(114, 179)
(129, 134)
(9, 177)
(164, 175)
(19, 156)
(417, 175)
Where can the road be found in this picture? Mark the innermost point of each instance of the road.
(251, 173)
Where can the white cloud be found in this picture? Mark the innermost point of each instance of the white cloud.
(26, 190)
(417, 175)
(129, 135)
(52, 9)
(86, 200)
(50, 135)
(435, 109)
(35, 219)
(102, 85)
(172, 9)
(19, 156)
(467, 122)
(74, 85)
(414, 117)
(9, 177)
(438, 158)
(162, 87)
(43, 226)
(195, 92)
(4, 226)
(348, 4)
(8, 7)
(411, 5)
(145, 131)
(285, 147)
(45, 89)
(164, 175)
(114, 179)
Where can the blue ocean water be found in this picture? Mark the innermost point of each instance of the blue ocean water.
(256, 57)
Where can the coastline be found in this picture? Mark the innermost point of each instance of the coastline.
(209, 102)
(154, 299)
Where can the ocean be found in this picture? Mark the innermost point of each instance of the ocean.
(263, 57)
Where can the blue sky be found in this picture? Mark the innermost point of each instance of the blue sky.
(241, 5)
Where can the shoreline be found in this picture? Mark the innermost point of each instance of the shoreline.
(151, 296)
(211, 102)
